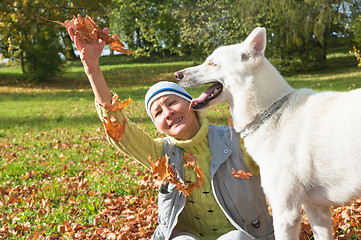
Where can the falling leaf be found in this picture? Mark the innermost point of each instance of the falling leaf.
(161, 167)
(114, 129)
(164, 171)
(194, 185)
(241, 174)
(116, 104)
(191, 160)
(88, 31)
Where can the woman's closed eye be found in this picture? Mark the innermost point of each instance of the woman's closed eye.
(172, 102)
(157, 113)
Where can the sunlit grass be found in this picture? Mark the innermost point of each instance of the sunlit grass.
(53, 146)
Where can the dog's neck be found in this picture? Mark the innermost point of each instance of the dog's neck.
(265, 87)
(261, 118)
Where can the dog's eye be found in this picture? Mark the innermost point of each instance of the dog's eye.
(211, 63)
(245, 57)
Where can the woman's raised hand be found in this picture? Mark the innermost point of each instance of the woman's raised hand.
(89, 53)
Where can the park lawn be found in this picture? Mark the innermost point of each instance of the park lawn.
(61, 179)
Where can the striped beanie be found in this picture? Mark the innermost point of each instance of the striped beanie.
(164, 88)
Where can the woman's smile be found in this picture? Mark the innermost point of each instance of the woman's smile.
(175, 122)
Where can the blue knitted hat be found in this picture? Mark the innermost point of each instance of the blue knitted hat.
(164, 88)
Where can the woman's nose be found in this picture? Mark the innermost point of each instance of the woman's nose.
(168, 112)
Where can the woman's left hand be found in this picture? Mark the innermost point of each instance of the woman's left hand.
(89, 53)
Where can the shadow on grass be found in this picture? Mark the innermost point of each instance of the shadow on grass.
(137, 93)
(39, 122)
(46, 122)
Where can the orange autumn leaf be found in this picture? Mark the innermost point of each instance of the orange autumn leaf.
(116, 104)
(194, 185)
(164, 171)
(114, 129)
(200, 178)
(241, 174)
(191, 160)
(88, 31)
(161, 167)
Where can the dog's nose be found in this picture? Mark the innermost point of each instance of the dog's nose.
(178, 75)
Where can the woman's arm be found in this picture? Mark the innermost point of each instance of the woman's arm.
(89, 55)
(135, 142)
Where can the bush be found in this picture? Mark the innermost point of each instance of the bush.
(41, 59)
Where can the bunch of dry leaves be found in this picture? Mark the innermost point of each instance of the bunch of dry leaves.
(88, 31)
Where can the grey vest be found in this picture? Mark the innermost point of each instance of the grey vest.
(241, 200)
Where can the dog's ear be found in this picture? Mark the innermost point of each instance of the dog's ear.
(256, 43)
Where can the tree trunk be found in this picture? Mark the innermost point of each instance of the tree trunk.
(21, 51)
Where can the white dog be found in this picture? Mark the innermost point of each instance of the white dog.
(306, 143)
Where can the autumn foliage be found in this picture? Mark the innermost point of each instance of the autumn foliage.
(166, 173)
(116, 104)
(241, 174)
(112, 127)
(346, 222)
(88, 31)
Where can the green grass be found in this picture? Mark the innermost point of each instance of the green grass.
(51, 139)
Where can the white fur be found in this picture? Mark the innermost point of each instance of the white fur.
(309, 151)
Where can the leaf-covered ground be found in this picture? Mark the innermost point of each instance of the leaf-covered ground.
(52, 204)
(28, 212)
(60, 178)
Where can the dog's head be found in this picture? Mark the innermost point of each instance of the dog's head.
(228, 68)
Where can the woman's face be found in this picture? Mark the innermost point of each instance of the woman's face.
(172, 116)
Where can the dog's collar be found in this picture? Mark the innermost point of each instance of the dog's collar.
(261, 118)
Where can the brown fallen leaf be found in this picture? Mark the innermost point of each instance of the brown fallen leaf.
(88, 31)
(116, 104)
(241, 174)
(113, 128)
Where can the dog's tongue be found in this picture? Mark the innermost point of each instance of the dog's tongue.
(204, 95)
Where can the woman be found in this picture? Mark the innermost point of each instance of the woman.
(225, 207)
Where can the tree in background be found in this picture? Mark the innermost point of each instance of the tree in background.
(355, 28)
(297, 30)
(147, 26)
(36, 43)
(355, 20)
(205, 25)
(26, 37)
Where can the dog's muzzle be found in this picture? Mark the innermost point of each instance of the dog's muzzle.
(179, 75)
